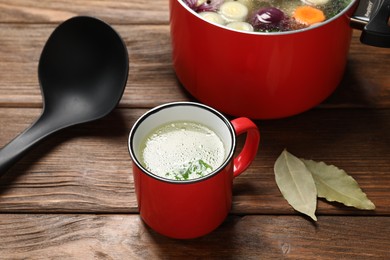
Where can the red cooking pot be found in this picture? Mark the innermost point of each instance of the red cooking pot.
(268, 75)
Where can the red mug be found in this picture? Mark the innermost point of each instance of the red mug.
(186, 209)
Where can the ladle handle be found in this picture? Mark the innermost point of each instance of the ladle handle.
(17, 148)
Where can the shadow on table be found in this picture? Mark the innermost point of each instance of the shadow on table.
(228, 241)
(101, 128)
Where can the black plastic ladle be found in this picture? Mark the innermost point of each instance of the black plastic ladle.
(83, 72)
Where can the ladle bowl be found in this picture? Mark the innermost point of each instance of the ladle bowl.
(83, 72)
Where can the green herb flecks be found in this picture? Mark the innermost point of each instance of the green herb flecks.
(190, 170)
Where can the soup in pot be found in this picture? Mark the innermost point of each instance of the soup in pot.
(267, 15)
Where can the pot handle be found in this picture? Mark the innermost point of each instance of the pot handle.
(372, 17)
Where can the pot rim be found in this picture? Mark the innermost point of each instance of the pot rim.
(313, 27)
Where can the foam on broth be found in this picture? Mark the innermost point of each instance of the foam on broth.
(182, 150)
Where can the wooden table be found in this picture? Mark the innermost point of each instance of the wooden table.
(73, 197)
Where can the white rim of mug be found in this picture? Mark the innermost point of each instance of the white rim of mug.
(154, 110)
(313, 27)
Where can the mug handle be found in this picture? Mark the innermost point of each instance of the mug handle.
(248, 153)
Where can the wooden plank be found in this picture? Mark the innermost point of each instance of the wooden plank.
(354, 140)
(87, 168)
(134, 12)
(152, 79)
(248, 237)
(364, 82)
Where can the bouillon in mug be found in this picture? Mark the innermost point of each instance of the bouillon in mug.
(182, 150)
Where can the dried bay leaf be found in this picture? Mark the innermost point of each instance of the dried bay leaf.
(335, 184)
(296, 184)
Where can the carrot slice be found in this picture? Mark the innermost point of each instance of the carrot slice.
(308, 15)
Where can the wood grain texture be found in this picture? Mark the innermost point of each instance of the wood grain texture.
(152, 80)
(72, 196)
(249, 237)
(87, 168)
(129, 12)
